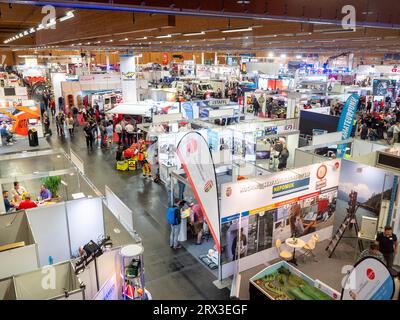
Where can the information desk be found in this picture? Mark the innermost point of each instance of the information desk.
(281, 281)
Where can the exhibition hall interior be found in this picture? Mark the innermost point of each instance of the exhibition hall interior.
(199, 150)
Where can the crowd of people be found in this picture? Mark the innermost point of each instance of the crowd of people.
(378, 120)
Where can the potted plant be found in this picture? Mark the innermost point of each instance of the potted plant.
(52, 183)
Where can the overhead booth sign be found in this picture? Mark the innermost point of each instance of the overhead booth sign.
(345, 125)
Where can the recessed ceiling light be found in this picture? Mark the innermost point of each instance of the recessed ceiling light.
(270, 55)
(237, 30)
(165, 36)
(194, 34)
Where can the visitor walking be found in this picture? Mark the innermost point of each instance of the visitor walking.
(70, 125)
(88, 135)
(110, 133)
(60, 120)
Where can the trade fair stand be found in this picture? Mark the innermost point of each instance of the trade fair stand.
(374, 162)
(327, 146)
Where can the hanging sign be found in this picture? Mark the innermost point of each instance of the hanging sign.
(346, 121)
(369, 280)
(196, 159)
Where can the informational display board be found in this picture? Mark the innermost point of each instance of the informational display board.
(369, 280)
(109, 290)
(258, 211)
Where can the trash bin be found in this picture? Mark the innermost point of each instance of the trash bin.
(33, 138)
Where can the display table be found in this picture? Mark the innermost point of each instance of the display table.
(282, 281)
(295, 243)
(78, 195)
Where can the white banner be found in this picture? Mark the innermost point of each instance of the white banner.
(369, 280)
(77, 161)
(109, 291)
(221, 113)
(198, 164)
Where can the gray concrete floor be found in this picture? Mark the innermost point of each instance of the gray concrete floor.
(22, 144)
(169, 274)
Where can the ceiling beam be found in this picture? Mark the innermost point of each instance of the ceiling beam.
(380, 14)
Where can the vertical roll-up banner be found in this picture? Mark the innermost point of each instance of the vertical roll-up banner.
(197, 162)
(346, 121)
(370, 279)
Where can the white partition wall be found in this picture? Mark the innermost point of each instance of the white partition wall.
(50, 231)
(18, 260)
(7, 290)
(14, 228)
(30, 286)
(119, 209)
(85, 222)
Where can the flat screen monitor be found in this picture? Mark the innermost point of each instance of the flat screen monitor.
(312, 120)
(261, 155)
(9, 91)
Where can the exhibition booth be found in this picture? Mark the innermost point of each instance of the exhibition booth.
(29, 286)
(99, 276)
(263, 215)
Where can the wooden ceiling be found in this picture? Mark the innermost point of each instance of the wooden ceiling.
(119, 30)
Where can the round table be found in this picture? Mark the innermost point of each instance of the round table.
(295, 243)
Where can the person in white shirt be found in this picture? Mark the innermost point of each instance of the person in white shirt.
(18, 190)
(118, 131)
(123, 125)
(130, 131)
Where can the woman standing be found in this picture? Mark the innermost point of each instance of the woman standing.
(70, 125)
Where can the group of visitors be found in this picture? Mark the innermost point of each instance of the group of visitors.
(21, 198)
(196, 221)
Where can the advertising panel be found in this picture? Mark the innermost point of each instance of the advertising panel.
(261, 210)
(197, 162)
(369, 280)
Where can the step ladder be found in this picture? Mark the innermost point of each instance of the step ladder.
(348, 222)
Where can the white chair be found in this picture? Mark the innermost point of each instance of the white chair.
(310, 246)
(285, 255)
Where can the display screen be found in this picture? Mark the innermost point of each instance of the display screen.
(9, 91)
(311, 120)
(263, 154)
(389, 160)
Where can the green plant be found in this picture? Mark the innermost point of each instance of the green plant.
(52, 183)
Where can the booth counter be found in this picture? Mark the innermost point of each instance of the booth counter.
(282, 281)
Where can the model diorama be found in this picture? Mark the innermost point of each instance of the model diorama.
(282, 284)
